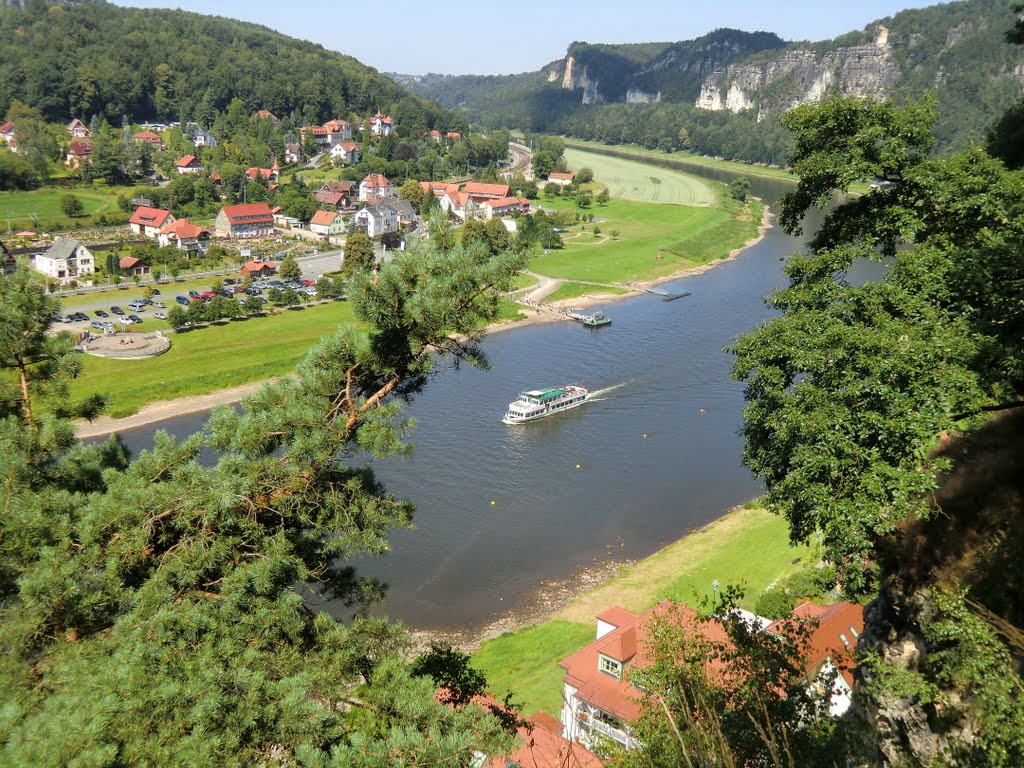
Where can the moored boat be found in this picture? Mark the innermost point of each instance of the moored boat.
(537, 403)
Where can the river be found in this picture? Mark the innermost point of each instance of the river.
(659, 451)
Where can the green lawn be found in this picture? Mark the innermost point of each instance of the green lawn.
(684, 236)
(208, 359)
(747, 547)
(568, 291)
(17, 208)
(682, 159)
(630, 180)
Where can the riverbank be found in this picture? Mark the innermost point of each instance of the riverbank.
(156, 412)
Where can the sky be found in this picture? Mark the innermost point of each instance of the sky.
(490, 38)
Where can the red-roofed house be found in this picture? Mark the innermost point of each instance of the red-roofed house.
(505, 206)
(149, 221)
(270, 175)
(382, 125)
(346, 153)
(337, 131)
(129, 265)
(258, 269)
(435, 135)
(78, 129)
(438, 188)
(185, 236)
(461, 205)
(266, 114)
(327, 223)
(453, 136)
(249, 220)
(148, 137)
(78, 154)
(375, 185)
(189, 164)
(543, 746)
(7, 136)
(562, 179)
(480, 191)
(600, 701)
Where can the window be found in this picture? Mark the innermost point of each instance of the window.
(609, 666)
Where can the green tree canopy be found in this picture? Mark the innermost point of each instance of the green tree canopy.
(290, 269)
(358, 255)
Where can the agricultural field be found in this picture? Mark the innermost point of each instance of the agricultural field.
(18, 208)
(632, 180)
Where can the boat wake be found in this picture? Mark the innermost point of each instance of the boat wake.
(597, 393)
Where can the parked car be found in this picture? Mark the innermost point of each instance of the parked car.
(158, 305)
(61, 319)
(117, 310)
(137, 306)
(155, 291)
(207, 295)
(230, 280)
(79, 317)
(193, 294)
(102, 313)
(254, 291)
(134, 318)
(181, 299)
(309, 291)
(99, 325)
(160, 315)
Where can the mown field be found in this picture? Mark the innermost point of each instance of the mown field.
(526, 661)
(630, 180)
(683, 237)
(17, 208)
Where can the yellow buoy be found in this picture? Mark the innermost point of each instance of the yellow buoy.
(578, 466)
(645, 435)
(702, 410)
(493, 502)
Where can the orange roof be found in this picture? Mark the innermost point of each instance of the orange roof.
(477, 189)
(543, 746)
(348, 146)
(256, 266)
(128, 262)
(504, 202)
(248, 213)
(7, 127)
(153, 138)
(560, 175)
(266, 173)
(616, 616)
(323, 218)
(376, 180)
(149, 217)
(834, 623)
(334, 126)
(182, 229)
(186, 160)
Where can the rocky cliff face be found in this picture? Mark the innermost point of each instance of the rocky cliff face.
(801, 76)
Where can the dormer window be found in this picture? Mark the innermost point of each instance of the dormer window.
(609, 666)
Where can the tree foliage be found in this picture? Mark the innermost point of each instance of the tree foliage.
(359, 256)
(290, 269)
(850, 386)
(155, 611)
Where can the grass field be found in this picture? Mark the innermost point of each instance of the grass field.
(684, 236)
(682, 159)
(16, 208)
(747, 547)
(567, 291)
(630, 180)
(208, 359)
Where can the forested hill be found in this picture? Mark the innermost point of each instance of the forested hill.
(93, 58)
(956, 49)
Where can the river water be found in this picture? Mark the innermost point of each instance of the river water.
(658, 450)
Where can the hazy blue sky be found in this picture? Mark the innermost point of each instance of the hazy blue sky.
(420, 36)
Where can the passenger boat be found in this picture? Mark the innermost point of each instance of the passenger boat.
(537, 403)
(596, 320)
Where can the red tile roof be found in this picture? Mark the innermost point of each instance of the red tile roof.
(249, 213)
(80, 148)
(376, 180)
(128, 262)
(329, 198)
(616, 616)
(505, 202)
(182, 229)
(256, 266)
(348, 146)
(187, 160)
(266, 173)
(834, 622)
(563, 176)
(149, 217)
(543, 746)
(148, 136)
(7, 127)
(478, 189)
(323, 218)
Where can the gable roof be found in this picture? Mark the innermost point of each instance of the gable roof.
(80, 148)
(248, 213)
(542, 745)
(186, 161)
(323, 218)
(563, 176)
(7, 127)
(145, 216)
(64, 248)
(265, 114)
(183, 228)
(504, 202)
(129, 262)
(616, 616)
(328, 198)
(826, 641)
(375, 180)
(478, 189)
(153, 138)
(344, 187)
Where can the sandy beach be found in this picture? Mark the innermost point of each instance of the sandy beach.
(546, 313)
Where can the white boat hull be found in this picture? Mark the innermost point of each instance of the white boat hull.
(576, 399)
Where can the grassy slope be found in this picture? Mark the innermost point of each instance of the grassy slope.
(575, 290)
(747, 547)
(685, 237)
(213, 358)
(46, 204)
(630, 180)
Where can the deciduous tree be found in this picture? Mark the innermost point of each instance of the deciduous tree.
(358, 256)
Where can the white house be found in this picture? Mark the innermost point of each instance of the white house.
(382, 125)
(327, 223)
(189, 164)
(149, 221)
(185, 236)
(375, 185)
(66, 260)
(346, 152)
(377, 220)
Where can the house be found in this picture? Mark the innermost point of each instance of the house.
(435, 135)
(327, 223)
(270, 175)
(148, 137)
(258, 269)
(561, 179)
(346, 152)
(377, 220)
(320, 134)
(505, 206)
(266, 114)
(329, 200)
(129, 265)
(204, 139)
(7, 135)
(438, 188)
(382, 125)
(461, 205)
(185, 236)
(66, 260)
(453, 136)
(375, 185)
(599, 699)
(835, 630)
(78, 154)
(542, 745)
(78, 130)
(149, 221)
(480, 191)
(189, 164)
(293, 153)
(248, 220)
(342, 187)
(337, 131)
(406, 213)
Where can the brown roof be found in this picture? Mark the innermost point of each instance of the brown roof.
(559, 175)
(265, 114)
(149, 217)
(186, 160)
(257, 266)
(80, 148)
(183, 228)
(376, 180)
(329, 198)
(478, 189)
(147, 136)
(128, 262)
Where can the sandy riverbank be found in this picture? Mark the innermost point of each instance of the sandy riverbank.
(548, 313)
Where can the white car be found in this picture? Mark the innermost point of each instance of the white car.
(159, 315)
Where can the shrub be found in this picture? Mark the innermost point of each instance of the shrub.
(774, 604)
